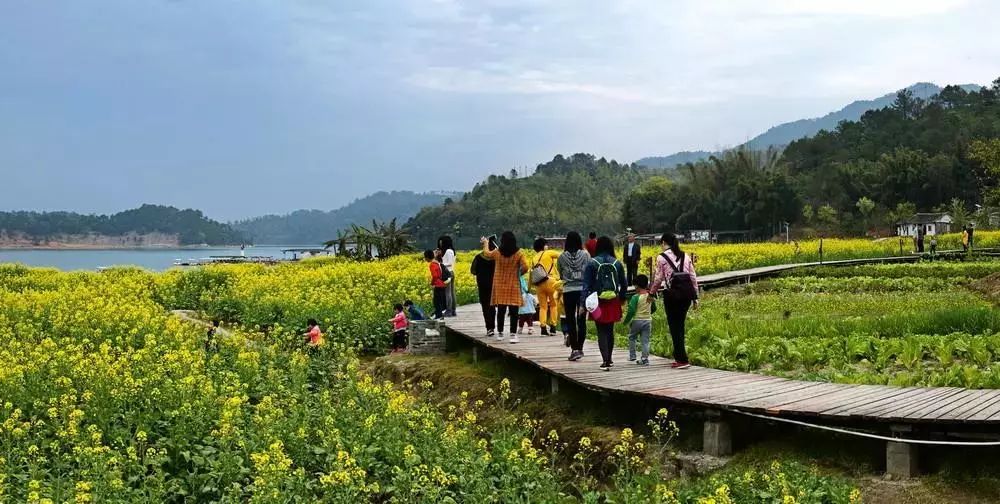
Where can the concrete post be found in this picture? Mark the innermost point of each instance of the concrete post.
(717, 439)
(554, 384)
(901, 458)
(475, 354)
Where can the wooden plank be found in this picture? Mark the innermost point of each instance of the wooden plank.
(987, 403)
(899, 409)
(955, 402)
(987, 414)
(871, 396)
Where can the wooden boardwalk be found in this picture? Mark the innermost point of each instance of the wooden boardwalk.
(746, 392)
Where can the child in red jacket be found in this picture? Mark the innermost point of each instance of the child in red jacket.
(437, 283)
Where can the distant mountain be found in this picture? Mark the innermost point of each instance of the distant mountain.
(784, 134)
(165, 225)
(304, 227)
(675, 159)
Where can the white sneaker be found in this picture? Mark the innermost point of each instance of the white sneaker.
(499, 336)
(513, 339)
(530, 331)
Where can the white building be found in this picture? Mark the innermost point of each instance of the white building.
(930, 223)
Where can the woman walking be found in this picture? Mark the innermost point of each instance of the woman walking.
(482, 269)
(605, 277)
(545, 277)
(506, 295)
(571, 265)
(675, 274)
(447, 248)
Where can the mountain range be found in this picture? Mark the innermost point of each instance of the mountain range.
(784, 134)
(305, 227)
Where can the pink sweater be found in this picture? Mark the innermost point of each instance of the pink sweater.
(664, 271)
(399, 321)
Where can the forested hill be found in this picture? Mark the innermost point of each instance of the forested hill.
(941, 154)
(786, 133)
(578, 192)
(190, 227)
(304, 227)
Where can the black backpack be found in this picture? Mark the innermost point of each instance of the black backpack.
(680, 287)
(446, 274)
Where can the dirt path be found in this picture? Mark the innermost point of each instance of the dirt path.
(192, 317)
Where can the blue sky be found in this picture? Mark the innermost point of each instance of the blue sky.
(244, 107)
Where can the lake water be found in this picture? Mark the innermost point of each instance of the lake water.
(152, 259)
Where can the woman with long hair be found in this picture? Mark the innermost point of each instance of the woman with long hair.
(605, 277)
(506, 295)
(675, 275)
(571, 265)
(447, 248)
(547, 289)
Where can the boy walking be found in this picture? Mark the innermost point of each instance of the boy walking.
(639, 319)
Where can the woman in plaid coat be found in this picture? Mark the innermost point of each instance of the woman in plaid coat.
(506, 295)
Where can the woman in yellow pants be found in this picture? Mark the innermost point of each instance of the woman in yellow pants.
(545, 277)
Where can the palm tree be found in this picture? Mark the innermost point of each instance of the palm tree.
(393, 239)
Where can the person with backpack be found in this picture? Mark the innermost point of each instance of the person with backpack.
(571, 265)
(483, 269)
(438, 283)
(675, 275)
(545, 277)
(506, 295)
(604, 288)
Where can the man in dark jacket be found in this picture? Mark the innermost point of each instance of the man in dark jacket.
(631, 254)
(483, 269)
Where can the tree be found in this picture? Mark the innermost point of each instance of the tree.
(906, 104)
(865, 207)
(807, 213)
(959, 214)
(646, 209)
(826, 216)
(904, 210)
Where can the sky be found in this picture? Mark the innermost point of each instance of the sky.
(246, 107)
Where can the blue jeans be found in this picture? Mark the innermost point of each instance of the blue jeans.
(639, 329)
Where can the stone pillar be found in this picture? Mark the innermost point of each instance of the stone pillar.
(901, 458)
(426, 337)
(554, 384)
(717, 439)
(475, 353)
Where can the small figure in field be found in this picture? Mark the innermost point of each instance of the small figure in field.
(919, 241)
(314, 337)
(639, 319)
(526, 312)
(211, 344)
(413, 312)
(399, 329)
(437, 284)
(933, 245)
(631, 255)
